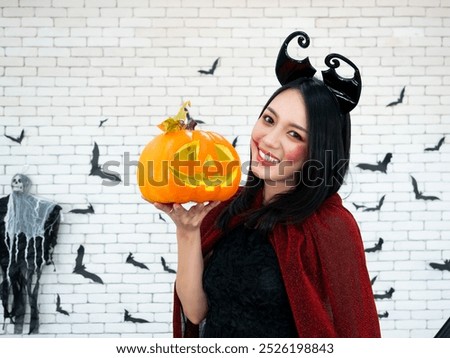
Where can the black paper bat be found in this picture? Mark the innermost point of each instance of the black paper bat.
(58, 306)
(380, 166)
(188, 116)
(89, 210)
(131, 260)
(102, 121)
(17, 139)
(378, 246)
(97, 170)
(444, 332)
(161, 218)
(386, 294)
(80, 269)
(234, 142)
(441, 267)
(358, 206)
(210, 71)
(190, 119)
(372, 281)
(130, 318)
(399, 100)
(378, 207)
(383, 315)
(165, 267)
(437, 146)
(419, 193)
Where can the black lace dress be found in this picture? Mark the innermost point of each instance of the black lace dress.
(245, 290)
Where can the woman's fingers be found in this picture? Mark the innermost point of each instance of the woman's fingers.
(167, 208)
(212, 204)
(177, 212)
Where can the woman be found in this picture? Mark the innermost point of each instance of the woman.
(283, 258)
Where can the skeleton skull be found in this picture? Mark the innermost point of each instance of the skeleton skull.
(21, 183)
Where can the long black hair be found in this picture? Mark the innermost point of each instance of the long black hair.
(321, 175)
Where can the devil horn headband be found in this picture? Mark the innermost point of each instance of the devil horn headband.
(346, 90)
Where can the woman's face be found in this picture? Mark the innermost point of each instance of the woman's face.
(279, 140)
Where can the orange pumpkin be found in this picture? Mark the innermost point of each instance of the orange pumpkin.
(183, 164)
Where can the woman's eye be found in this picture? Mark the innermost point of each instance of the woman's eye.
(295, 135)
(268, 119)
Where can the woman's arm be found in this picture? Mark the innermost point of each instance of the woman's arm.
(189, 281)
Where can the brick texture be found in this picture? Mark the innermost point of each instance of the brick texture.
(65, 65)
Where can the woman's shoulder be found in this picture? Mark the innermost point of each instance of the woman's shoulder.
(333, 223)
(332, 211)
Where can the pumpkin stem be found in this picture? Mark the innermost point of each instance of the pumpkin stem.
(191, 124)
(176, 123)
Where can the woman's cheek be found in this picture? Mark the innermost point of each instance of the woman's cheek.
(297, 154)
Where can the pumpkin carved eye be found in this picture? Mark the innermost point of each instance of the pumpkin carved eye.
(188, 165)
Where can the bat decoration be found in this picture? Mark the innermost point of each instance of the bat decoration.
(130, 318)
(212, 70)
(17, 139)
(377, 246)
(190, 119)
(80, 269)
(372, 281)
(101, 122)
(380, 166)
(383, 315)
(441, 267)
(59, 308)
(234, 142)
(419, 194)
(89, 210)
(399, 100)
(437, 146)
(357, 207)
(131, 260)
(165, 267)
(386, 294)
(97, 170)
(444, 332)
(376, 208)
(161, 218)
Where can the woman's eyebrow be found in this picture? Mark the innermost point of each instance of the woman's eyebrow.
(295, 125)
(270, 109)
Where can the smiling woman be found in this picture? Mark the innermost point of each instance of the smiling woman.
(279, 143)
(282, 257)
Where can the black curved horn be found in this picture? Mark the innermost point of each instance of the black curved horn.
(288, 69)
(346, 90)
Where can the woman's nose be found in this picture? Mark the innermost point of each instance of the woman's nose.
(271, 139)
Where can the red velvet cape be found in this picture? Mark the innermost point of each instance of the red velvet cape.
(322, 262)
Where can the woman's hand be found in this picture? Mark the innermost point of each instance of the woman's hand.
(187, 220)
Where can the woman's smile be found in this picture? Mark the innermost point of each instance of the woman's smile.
(266, 158)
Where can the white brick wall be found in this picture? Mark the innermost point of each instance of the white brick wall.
(67, 64)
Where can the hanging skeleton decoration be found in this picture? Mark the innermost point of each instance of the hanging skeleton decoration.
(28, 234)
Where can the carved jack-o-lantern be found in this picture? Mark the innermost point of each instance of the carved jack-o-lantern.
(183, 164)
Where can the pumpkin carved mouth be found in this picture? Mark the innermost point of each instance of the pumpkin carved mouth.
(219, 170)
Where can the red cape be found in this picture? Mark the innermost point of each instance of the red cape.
(323, 265)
